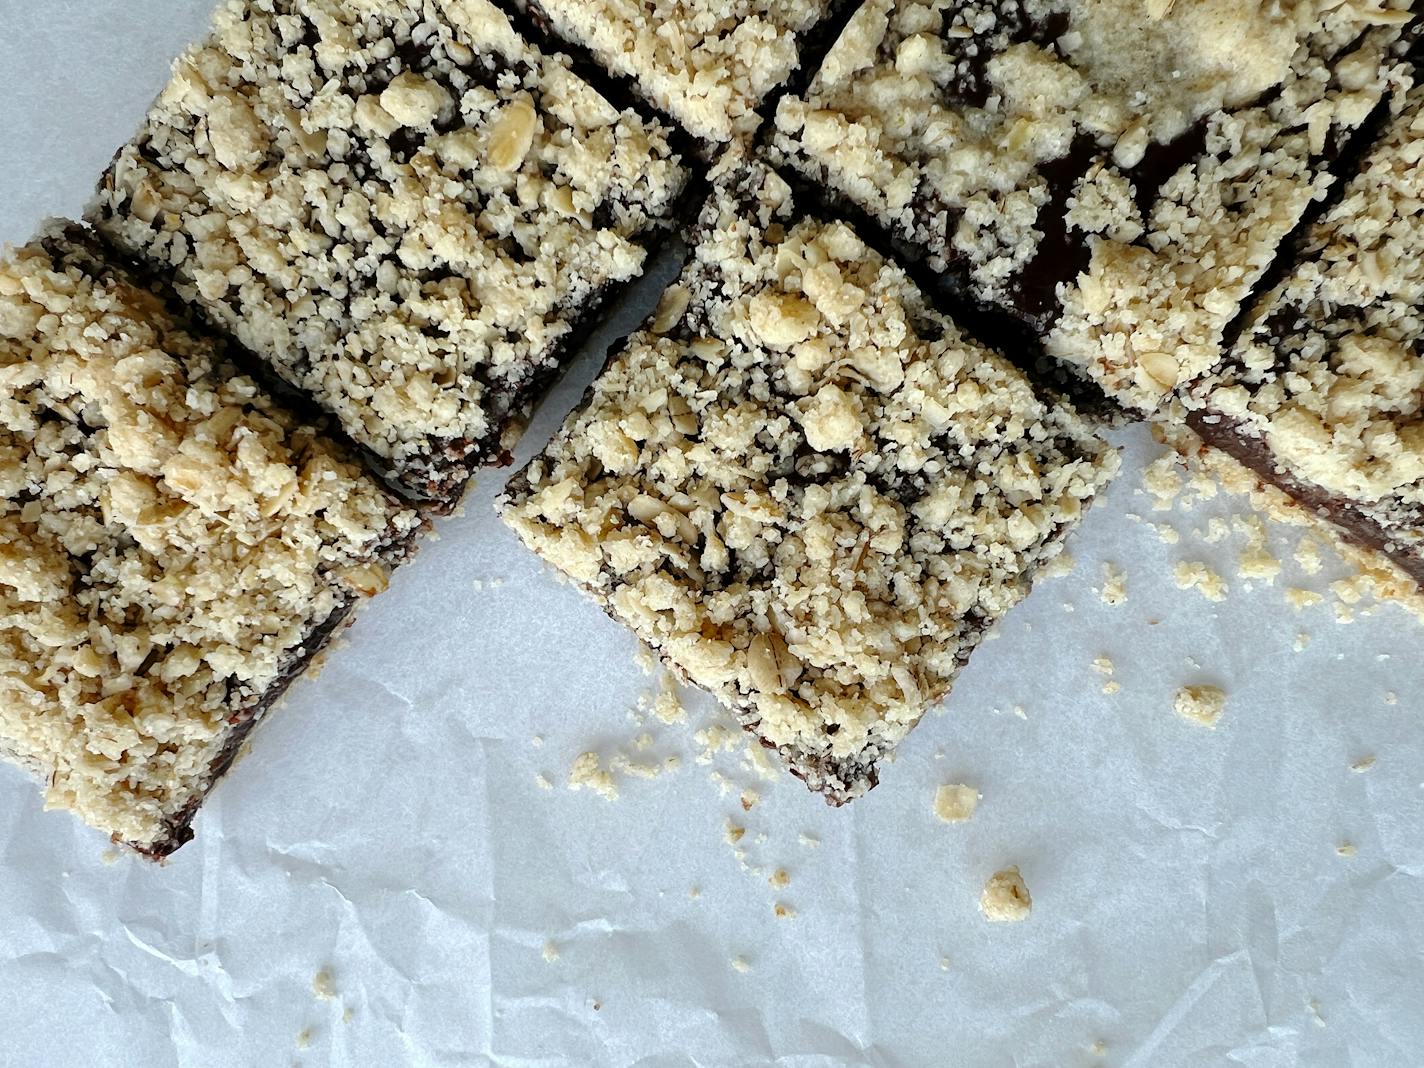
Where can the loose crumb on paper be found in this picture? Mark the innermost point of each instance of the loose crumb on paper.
(1166, 533)
(588, 774)
(780, 879)
(1112, 686)
(1163, 482)
(551, 952)
(955, 802)
(1103, 665)
(1307, 555)
(1391, 698)
(783, 911)
(810, 841)
(1299, 598)
(543, 781)
(741, 964)
(694, 892)
(667, 706)
(1345, 849)
(633, 769)
(1114, 589)
(1216, 530)
(304, 1038)
(944, 964)
(1196, 575)
(714, 739)
(323, 985)
(1257, 561)
(1301, 641)
(1005, 898)
(1362, 765)
(1200, 704)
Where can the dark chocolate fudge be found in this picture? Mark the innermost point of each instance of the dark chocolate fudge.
(804, 487)
(1115, 174)
(1323, 395)
(174, 545)
(400, 206)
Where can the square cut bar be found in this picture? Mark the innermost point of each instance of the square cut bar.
(1323, 395)
(804, 488)
(174, 545)
(1114, 174)
(400, 206)
(707, 63)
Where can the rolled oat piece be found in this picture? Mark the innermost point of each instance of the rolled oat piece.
(400, 206)
(175, 546)
(804, 487)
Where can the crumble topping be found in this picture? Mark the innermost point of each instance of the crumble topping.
(707, 63)
(1118, 174)
(811, 494)
(398, 204)
(171, 542)
(1006, 898)
(1330, 377)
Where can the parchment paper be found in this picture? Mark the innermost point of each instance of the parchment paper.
(1189, 903)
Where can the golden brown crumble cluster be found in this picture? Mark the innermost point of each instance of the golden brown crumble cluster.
(401, 206)
(171, 543)
(707, 63)
(1158, 152)
(1331, 374)
(804, 487)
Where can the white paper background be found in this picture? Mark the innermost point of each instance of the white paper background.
(1189, 905)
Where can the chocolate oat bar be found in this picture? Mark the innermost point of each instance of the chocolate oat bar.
(804, 487)
(707, 63)
(174, 545)
(400, 206)
(1115, 175)
(1323, 395)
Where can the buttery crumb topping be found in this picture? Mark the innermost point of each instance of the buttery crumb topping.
(398, 204)
(1117, 172)
(707, 63)
(808, 492)
(1331, 375)
(171, 541)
